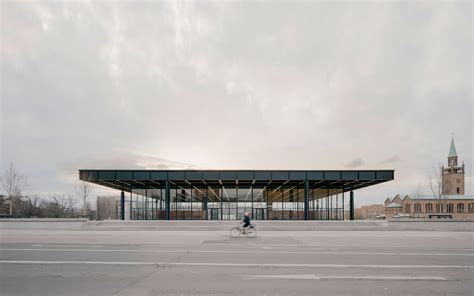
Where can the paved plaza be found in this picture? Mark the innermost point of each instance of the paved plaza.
(66, 262)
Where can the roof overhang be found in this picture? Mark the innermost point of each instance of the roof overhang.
(126, 180)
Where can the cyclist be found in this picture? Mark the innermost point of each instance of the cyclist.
(246, 221)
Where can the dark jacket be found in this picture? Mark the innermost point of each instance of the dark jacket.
(246, 221)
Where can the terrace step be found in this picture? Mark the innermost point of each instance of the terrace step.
(226, 225)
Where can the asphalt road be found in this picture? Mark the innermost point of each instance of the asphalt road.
(42, 262)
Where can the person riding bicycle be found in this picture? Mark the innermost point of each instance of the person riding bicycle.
(246, 221)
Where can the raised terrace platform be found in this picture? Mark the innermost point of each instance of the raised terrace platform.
(117, 225)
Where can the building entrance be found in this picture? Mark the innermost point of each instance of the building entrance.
(214, 214)
(259, 214)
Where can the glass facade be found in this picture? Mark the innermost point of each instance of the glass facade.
(231, 202)
(146, 204)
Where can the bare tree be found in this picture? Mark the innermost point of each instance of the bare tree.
(60, 206)
(65, 204)
(436, 185)
(83, 190)
(14, 183)
(436, 182)
(36, 206)
(418, 190)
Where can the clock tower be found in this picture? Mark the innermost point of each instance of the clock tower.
(452, 175)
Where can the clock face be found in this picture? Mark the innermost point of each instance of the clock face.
(458, 180)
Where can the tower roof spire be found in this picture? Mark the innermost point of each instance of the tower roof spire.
(452, 149)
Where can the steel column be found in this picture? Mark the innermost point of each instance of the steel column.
(192, 216)
(221, 194)
(122, 206)
(327, 205)
(146, 203)
(306, 200)
(131, 204)
(343, 205)
(251, 193)
(351, 205)
(167, 199)
(205, 204)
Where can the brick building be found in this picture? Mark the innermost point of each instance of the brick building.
(452, 203)
(459, 207)
(370, 212)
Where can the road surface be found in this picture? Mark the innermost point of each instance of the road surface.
(61, 262)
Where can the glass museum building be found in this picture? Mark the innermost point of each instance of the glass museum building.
(228, 194)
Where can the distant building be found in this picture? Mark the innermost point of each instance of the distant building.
(370, 212)
(452, 204)
(108, 207)
(459, 207)
(453, 175)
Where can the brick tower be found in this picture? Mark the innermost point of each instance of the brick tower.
(453, 175)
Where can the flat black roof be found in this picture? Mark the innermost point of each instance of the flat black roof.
(135, 179)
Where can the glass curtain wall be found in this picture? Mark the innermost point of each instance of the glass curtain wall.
(231, 202)
(293, 203)
(138, 204)
(326, 204)
(214, 204)
(155, 204)
(146, 204)
(285, 203)
(259, 203)
(244, 201)
(274, 201)
(198, 202)
(188, 203)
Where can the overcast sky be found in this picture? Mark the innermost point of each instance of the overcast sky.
(235, 85)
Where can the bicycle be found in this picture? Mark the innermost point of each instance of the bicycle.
(239, 230)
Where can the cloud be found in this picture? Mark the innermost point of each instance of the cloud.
(127, 160)
(130, 160)
(393, 159)
(235, 85)
(355, 163)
